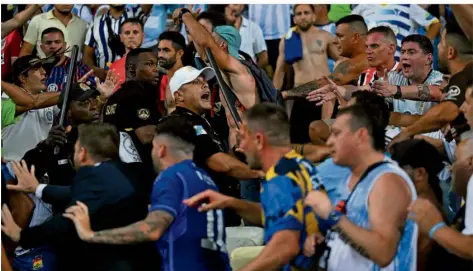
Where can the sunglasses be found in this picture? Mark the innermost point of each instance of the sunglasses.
(36, 63)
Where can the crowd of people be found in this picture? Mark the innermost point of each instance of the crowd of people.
(237, 137)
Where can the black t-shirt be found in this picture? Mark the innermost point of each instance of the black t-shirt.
(131, 107)
(456, 89)
(208, 143)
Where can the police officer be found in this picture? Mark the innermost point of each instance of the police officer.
(133, 109)
(192, 96)
(58, 166)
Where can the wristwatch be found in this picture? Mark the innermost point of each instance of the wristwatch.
(182, 12)
(398, 94)
(333, 218)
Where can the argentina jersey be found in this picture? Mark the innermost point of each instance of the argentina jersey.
(195, 240)
(402, 19)
(411, 107)
(342, 254)
(264, 15)
(282, 199)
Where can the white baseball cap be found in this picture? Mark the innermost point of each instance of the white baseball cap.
(188, 74)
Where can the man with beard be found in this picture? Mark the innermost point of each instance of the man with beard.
(171, 48)
(132, 37)
(455, 53)
(289, 178)
(187, 239)
(53, 45)
(316, 47)
(102, 43)
(73, 28)
(192, 94)
(133, 109)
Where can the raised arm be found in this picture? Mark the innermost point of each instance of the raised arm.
(19, 20)
(224, 163)
(204, 39)
(25, 102)
(464, 15)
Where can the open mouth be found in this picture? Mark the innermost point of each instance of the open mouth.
(406, 67)
(205, 96)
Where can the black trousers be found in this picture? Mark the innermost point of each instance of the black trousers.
(273, 52)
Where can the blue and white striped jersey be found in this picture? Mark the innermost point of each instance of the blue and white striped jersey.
(265, 15)
(403, 19)
(97, 35)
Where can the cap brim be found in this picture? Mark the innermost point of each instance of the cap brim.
(207, 72)
(87, 94)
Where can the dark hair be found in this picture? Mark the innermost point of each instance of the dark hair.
(424, 43)
(362, 117)
(180, 133)
(356, 22)
(132, 56)
(215, 18)
(418, 153)
(387, 32)
(328, 7)
(177, 126)
(272, 120)
(132, 59)
(375, 105)
(51, 30)
(311, 7)
(101, 141)
(456, 38)
(178, 40)
(132, 21)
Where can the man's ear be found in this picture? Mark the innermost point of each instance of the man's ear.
(429, 59)
(179, 54)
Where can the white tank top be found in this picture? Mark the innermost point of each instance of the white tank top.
(341, 256)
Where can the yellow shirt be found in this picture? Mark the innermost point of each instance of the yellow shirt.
(74, 32)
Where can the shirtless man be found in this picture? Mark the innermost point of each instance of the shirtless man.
(350, 39)
(223, 43)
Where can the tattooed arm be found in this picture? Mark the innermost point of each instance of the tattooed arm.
(149, 229)
(387, 216)
(422, 93)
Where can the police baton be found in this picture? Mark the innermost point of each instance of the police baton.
(227, 92)
(70, 78)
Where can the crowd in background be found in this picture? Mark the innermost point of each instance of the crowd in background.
(237, 137)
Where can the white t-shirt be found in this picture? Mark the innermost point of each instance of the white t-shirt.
(468, 230)
(252, 40)
(32, 127)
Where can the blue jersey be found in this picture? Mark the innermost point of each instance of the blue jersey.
(282, 198)
(194, 241)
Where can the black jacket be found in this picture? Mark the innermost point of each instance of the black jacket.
(114, 200)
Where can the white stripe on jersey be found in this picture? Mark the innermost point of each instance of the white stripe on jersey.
(412, 107)
(264, 14)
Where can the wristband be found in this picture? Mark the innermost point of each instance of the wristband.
(435, 228)
(398, 94)
(182, 12)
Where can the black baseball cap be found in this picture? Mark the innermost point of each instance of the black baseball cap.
(23, 64)
(79, 92)
(418, 153)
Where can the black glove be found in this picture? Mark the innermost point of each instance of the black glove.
(56, 137)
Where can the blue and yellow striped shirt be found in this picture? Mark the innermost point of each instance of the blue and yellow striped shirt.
(282, 199)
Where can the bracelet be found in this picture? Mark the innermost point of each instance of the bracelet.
(435, 228)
